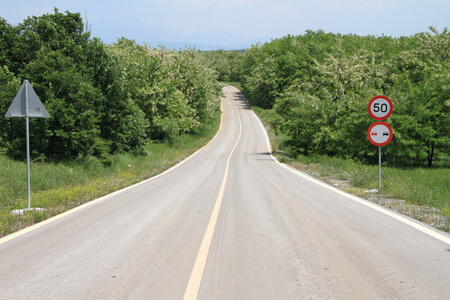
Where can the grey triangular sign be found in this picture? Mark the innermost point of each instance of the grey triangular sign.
(18, 108)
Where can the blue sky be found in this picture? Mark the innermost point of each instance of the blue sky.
(227, 24)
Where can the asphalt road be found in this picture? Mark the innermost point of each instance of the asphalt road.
(228, 223)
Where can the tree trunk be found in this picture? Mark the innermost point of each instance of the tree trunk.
(430, 155)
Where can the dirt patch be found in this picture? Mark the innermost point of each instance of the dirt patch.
(429, 215)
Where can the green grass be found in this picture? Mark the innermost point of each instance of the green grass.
(60, 187)
(429, 187)
(419, 186)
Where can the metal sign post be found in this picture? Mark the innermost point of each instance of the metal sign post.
(27, 125)
(379, 167)
(27, 105)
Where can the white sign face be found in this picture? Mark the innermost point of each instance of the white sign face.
(380, 107)
(380, 133)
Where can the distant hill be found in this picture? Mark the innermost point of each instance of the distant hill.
(109, 31)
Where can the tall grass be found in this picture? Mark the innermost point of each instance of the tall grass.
(428, 187)
(57, 187)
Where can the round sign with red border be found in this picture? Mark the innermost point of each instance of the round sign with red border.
(380, 107)
(380, 133)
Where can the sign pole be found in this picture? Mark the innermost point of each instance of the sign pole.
(379, 168)
(27, 124)
(28, 161)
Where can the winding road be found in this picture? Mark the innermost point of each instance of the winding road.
(230, 222)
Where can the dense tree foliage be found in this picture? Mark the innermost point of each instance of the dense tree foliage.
(228, 64)
(177, 91)
(101, 99)
(111, 98)
(318, 86)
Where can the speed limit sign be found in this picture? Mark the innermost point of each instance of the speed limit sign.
(380, 107)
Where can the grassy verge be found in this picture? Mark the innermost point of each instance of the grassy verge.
(428, 187)
(423, 194)
(60, 187)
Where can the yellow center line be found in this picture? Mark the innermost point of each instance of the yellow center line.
(200, 262)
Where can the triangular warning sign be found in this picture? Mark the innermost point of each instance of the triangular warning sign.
(27, 104)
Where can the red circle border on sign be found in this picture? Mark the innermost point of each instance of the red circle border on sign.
(370, 104)
(391, 133)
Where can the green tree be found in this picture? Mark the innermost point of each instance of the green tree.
(177, 91)
(422, 89)
(81, 86)
(262, 83)
(320, 83)
(228, 64)
(7, 40)
(9, 86)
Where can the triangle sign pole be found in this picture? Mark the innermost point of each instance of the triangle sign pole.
(27, 105)
(27, 125)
